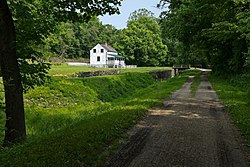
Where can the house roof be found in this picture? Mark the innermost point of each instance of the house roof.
(108, 48)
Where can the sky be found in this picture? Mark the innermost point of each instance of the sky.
(129, 6)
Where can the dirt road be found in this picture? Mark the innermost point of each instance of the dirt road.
(187, 132)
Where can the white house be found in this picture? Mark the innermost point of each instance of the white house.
(103, 55)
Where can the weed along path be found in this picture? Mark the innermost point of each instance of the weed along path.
(188, 131)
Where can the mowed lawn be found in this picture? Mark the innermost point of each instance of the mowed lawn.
(66, 70)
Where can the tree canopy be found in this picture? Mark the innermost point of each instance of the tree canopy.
(212, 31)
(74, 40)
(36, 20)
(141, 41)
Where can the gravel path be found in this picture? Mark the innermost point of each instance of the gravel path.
(187, 132)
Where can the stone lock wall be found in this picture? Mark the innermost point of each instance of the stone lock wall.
(159, 75)
(162, 74)
(97, 73)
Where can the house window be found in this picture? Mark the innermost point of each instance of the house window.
(94, 50)
(102, 50)
(98, 58)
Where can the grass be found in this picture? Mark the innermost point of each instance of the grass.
(64, 69)
(235, 93)
(195, 83)
(65, 100)
(73, 122)
(118, 86)
(145, 69)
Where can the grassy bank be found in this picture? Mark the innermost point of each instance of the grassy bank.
(235, 93)
(64, 101)
(74, 122)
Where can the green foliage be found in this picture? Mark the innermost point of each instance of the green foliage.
(34, 20)
(30, 26)
(74, 40)
(215, 33)
(118, 86)
(136, 15)
(234, 92)
(63, 43)
(241, 80)
(25, 23)
(243, 19)
(141, 42)
(87, 133)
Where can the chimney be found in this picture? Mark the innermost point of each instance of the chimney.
(106, 44)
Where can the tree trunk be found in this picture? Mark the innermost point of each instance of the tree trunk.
(15, 119)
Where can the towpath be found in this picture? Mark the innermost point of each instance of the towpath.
(186, 132)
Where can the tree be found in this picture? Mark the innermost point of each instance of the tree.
(15, 125)
(136, 15)
(183, 22)
(49, 11)
(210, 29)
(75, 39)
(141, 42)
(63, 42)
